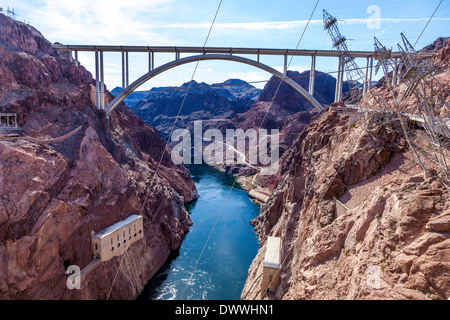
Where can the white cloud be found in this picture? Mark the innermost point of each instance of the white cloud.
(282, 25)
(100, 22)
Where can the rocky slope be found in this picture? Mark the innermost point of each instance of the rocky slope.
(54, 195)
(398, 224)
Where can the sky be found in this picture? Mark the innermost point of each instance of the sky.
(239, 23)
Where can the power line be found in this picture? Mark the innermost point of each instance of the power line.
(235, 180)
(173, 128)
(184, 99)
(292, 57)
(428, 23)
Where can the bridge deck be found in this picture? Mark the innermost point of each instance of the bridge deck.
(223, 50)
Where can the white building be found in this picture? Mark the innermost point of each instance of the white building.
(114, 240)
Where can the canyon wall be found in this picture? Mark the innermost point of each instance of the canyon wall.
(396, 230)
(53, 196)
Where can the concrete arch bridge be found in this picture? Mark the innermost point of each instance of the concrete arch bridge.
(213, 53)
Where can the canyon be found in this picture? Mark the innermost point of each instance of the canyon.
(68, 172)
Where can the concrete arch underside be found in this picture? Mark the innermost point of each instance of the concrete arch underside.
(118, 99)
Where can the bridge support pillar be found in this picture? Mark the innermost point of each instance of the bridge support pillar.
(125, 71)
(151, 61)
(70, 56)
(102, 83)
(285, 64)
(339, 81)
(76, 59)
(97, 80)
(312, 75)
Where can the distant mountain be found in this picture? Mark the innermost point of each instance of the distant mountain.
(231, 89)
(132, 98)
(241, 89)
(203, 102)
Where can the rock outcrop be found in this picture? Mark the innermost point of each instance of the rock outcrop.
(393, 243)
(54, 195)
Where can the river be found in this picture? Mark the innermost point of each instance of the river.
(222, 270)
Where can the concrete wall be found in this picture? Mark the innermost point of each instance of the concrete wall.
(271, 280)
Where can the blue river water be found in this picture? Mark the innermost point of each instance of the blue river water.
(222, 270)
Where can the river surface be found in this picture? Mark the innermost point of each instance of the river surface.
(222, 270)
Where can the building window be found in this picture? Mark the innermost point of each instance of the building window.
(270, 278)
(118, 245)
(112, 249)
(140, 231)
(135, 234)
(96, 246)
(124, 241)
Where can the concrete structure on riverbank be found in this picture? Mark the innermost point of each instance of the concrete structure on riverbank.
(272, 266)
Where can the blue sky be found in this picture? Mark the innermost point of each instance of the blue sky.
(240, 23)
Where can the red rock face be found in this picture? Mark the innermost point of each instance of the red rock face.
(396, 232)
(53, 196)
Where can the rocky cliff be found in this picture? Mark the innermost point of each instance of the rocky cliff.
(387, 238)
(53, 195)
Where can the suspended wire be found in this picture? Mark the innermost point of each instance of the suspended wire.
(428, 23)
(235, 180)
(173, 128)
(181, 106)
(292, 57)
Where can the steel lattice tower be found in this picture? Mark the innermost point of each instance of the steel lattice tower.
(418, 75)
(354, 73)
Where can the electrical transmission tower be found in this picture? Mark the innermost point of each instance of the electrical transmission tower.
(419, 78)
(10, 13)
(355, 76)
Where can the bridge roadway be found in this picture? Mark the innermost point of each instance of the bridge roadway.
(223, 50)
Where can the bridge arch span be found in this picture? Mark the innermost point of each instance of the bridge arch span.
(119, 98)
